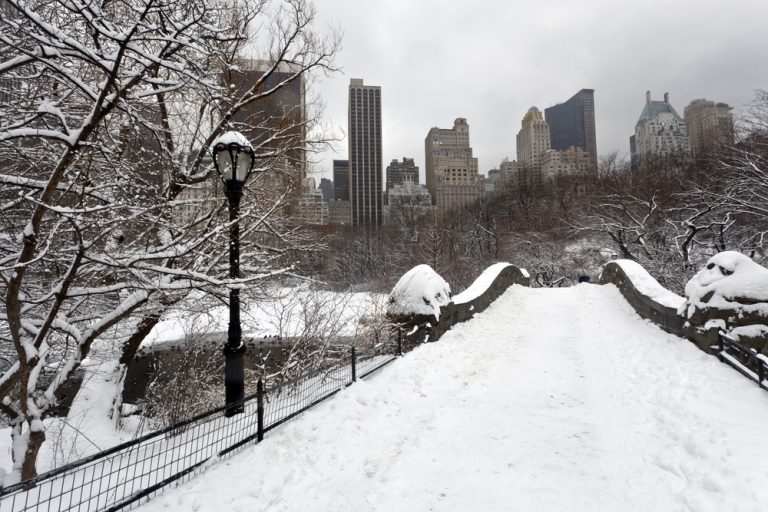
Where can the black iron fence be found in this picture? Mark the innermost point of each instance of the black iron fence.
(134, 471)
(746, 361)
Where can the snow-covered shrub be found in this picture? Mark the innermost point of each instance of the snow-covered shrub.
(730, 293)
(185, 381)
(421, 291)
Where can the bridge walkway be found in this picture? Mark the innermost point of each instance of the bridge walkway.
(552, 399)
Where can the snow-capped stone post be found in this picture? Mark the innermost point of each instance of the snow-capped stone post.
(730, 294)
(233, 160)
(415, 302)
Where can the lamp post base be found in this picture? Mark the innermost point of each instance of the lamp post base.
(234, 379)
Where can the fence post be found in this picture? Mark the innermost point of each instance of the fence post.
(354, 369)
(259, 411)
(720, 347)
(399, 341)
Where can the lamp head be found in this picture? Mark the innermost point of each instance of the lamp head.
(233, 157)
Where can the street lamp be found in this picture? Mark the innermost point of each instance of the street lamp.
(233, 160)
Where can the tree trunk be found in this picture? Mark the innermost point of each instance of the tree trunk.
(31, 447)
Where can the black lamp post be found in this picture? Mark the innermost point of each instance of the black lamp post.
(233, 159)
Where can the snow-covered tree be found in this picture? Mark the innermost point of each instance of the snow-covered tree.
(108, 215)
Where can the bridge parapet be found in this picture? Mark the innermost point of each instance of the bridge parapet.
(651, 300)
(699, 316)
(493, 282)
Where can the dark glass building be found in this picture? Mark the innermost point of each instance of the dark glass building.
(341, 180)
(573, 124)
(365, 166)
(276, 123)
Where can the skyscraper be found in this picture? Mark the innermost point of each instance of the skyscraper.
(275, 123)
(365, 162)
(452, 176)
(710, 126)
(572, 124)
(659, 132)
(532, 142)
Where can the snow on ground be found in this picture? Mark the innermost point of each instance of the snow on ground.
(88, 429)
(283, 315)
(551, 399)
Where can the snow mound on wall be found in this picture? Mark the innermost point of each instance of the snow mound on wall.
(421, 291)
(481, 284)
(731, 288)
(728, 279)
(648, 286)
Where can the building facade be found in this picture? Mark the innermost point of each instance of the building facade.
(365, 161)
(410, 206)
(660, 132)
(312, 209)
(275, 124)
(341, 180)
(510, 175)
(451, 169)
(572, 162)
(533, 141)
(326, 187)
(709, 125)
(339, 213)
(572, 124)
(400, 172)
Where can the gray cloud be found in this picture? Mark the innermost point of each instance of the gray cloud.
(490, 60)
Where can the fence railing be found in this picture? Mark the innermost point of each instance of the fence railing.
(134, 471)
(747, 362)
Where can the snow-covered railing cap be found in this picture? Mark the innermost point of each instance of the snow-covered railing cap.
(647, 285)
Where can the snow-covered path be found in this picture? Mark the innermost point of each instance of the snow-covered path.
(555, 399)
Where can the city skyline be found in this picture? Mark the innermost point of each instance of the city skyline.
(429, 79)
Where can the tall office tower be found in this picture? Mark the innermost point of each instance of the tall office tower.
(365, 165)
(275, 124)
(572, 124)
(341, 180)
(532, 142)
(660, 132)
(400, 172)
(452, 176)
(709, 125)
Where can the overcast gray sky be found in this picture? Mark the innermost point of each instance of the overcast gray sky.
(491, 60)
